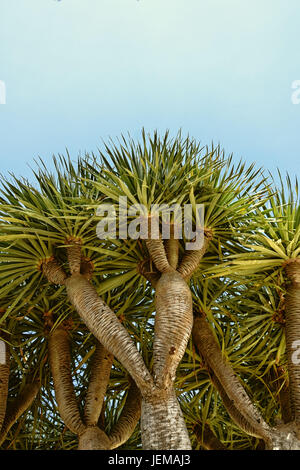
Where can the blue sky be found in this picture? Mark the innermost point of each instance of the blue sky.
(79, 71)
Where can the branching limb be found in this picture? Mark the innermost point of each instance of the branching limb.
(106, 327)
(172, 247)
(192, 258)
(74, 254)
(232, 390)
(101, 366)
(244, 423)
(158, 255)
(173, 326)
(60, 362)
(52, 271)
(18, 406)
(129, 417)
(86, 267)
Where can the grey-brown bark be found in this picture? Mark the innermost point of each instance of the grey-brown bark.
(101, 366)
(90, 436)
(4, 377)
(128, 419)
(292, 332)
(17, 407)
(192, 258)
(162, 423)
(60, 363)
(233, 393)
(106, 327)
(173, 325)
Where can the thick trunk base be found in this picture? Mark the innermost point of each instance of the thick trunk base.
(93, 439)
(162, 425)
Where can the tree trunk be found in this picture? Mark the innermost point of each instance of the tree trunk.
(93, 438)
(4, 377)
(173, 326)
(292, 332)
(162, 423)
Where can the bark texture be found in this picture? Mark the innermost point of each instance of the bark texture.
(93, 438)
(16, 408)
(53, 271)
(105, 326)
(284, 437)
(292, 332)
(158, 255)
(129, 418)
(238, 403)
(162, 424)
(172, 247)
(4, 378)
(173, 326)
(74, 255)
(100, 372)
(60, 362)
(192, 258)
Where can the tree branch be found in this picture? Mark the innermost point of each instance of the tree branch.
(232, 391)
(101, 366)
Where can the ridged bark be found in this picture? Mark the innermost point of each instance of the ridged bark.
(100, 371)
(4, 378)
(172, 247)
(241, 406)
(60, 363)
(292, 333)
(18, 406)
(162, 424)
(106, 327)
(243, 422)
(74, 255)
(173, 326)
(128, 419)
(192, 258)
(158, 255)
(53, 271)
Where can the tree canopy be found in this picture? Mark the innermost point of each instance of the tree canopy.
(238, 380)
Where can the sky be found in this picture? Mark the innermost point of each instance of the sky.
(76, 72)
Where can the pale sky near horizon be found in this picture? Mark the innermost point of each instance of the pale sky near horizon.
(79, 71)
